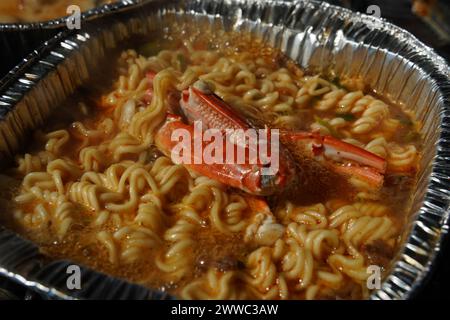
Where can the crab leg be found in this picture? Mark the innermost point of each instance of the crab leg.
(371, 176)
(337, 150)
(348, 159)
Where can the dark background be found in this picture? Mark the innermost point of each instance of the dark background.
(400, 13)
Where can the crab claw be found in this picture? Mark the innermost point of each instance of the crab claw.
(247, 176)
(199, 104)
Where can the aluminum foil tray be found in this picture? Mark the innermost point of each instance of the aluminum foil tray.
(19, 39)
(320, 37)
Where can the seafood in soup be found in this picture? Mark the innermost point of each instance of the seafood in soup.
(100, 184)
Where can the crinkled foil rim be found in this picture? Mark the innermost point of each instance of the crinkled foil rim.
(21, 261)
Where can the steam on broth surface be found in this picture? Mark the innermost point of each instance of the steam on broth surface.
(95, 188)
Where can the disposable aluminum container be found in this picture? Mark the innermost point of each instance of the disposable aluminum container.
(321, 38)
(17, 40)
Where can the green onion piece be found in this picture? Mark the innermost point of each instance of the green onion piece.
(406, 122)
(412, 136)
(149, 49)
(182, 63)
(210, 46)
(346, 116)
(325, 124)
(337, 82)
